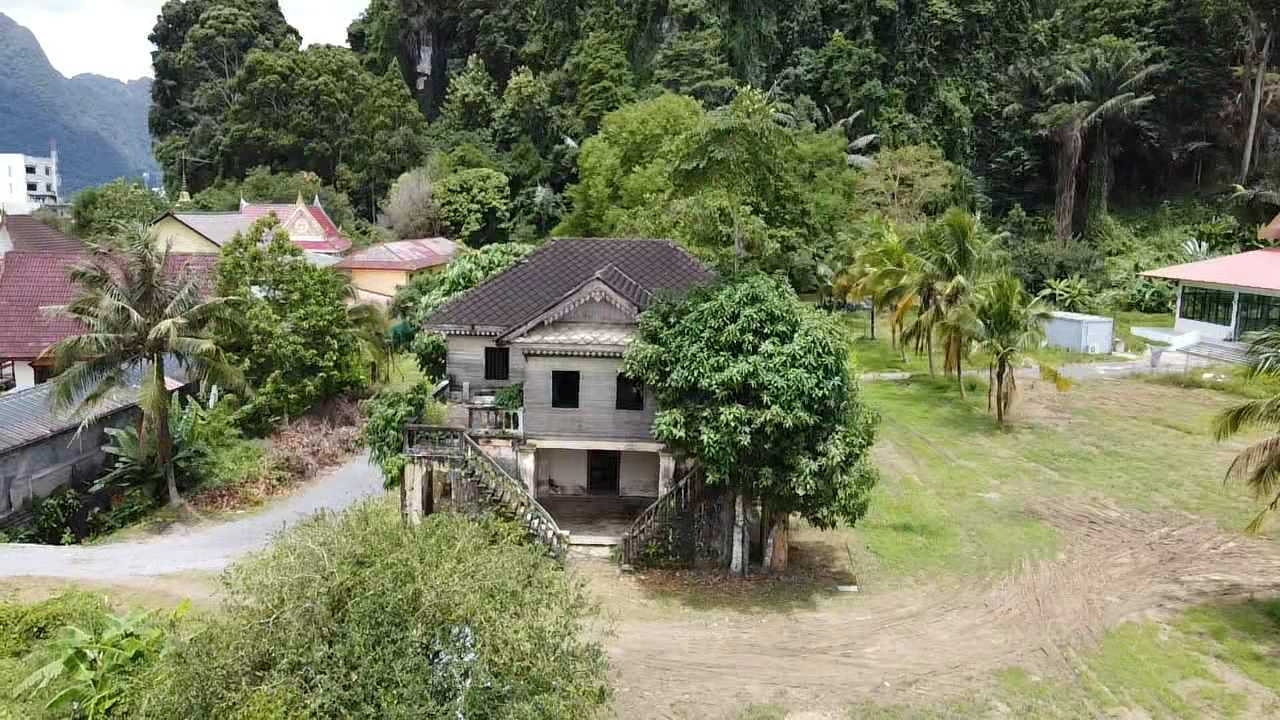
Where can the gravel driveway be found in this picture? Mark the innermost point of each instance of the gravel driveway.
(208, 547)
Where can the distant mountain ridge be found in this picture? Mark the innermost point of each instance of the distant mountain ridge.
(99, 123)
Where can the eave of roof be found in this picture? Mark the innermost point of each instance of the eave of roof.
(1255, 270)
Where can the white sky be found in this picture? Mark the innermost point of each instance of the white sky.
(109, 37)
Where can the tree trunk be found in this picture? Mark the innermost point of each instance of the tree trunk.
(928, 348)
(1099, 176)
(960, 373)
(741, 543)
(1068, 164)
(1261, 76)
(164, 438)
(776, 546)
(991, 384)
(873, 319)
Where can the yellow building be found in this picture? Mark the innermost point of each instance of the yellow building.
(309, 227)
(377, 272)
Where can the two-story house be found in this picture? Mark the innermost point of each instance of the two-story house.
(557, 324)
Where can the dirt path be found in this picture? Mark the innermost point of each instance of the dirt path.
(893, 647)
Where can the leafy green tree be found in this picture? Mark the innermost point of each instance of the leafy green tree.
(848, 74)
(476, 205)
(756, 385)
(140, 309)
(909, 183)
(472, 102)
(1258, 465)
(601, 79)
(1012, 324)
(320, 111)
(435, 621)
(114, 206)
(693, 63)
(428, 291)
(410, 208)
(200, 48)
(300, 341)
(627, 166)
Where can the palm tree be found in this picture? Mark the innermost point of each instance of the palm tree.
(952, 254)
(1012, 322)
(1103, 79)
(1259, 464)
(139, 309)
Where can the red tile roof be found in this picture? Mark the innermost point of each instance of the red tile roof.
(406, 255)
(32, 281)
(30, 235)
(1256, 269)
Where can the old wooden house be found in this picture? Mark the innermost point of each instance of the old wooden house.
(535, 378)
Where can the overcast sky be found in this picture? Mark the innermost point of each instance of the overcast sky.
(109, 37)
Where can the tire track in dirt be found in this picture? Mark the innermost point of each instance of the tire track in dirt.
(939, 641)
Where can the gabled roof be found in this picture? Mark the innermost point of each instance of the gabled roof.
(406, 255)
(32, 281)
(220, 228)
(29, 235)
(1256, 269)
(636, 269)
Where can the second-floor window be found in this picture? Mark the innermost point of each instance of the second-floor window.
(564, 388)
(630, 394)
(497, 363)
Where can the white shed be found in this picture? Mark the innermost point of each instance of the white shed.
(1077, 332)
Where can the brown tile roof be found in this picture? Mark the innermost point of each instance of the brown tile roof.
(532, 285)
(32, 281)
(29, 235)
(406, 255)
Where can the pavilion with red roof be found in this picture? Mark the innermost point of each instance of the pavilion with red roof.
(1224, 298)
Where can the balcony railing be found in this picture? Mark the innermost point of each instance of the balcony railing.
(495, 421)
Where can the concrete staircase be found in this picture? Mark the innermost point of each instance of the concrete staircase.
(1223, 351)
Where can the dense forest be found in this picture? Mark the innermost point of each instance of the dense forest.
(1082, 130)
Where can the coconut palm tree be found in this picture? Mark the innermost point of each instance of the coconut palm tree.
(1012, 322)
(1103, 80)
(1259, 464)
(140, 308)
(952, 255)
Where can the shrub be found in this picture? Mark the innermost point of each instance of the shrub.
(22, 626)
(1071, 294)
(510, 397)
(389, 411)
(430, 351)
(357, 616)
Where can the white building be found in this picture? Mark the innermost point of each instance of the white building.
(1225, 298)
(28, 182)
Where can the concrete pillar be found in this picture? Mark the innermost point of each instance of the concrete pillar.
(414, 476)
(666, 471)
(527, 459)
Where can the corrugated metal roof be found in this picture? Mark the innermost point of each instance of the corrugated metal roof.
(26, 415)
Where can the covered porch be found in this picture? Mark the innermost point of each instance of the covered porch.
(595, 488)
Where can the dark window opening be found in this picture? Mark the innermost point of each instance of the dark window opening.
(630, 394)
(497, 363)
(1205, 305)
(564, 388)
(1257, 312)
(31, 187)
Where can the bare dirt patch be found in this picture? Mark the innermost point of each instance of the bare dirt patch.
(924, 643)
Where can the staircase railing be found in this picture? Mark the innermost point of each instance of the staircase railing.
(515, 497)
(685, 494)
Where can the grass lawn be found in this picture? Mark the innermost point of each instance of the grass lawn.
(955, 488)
